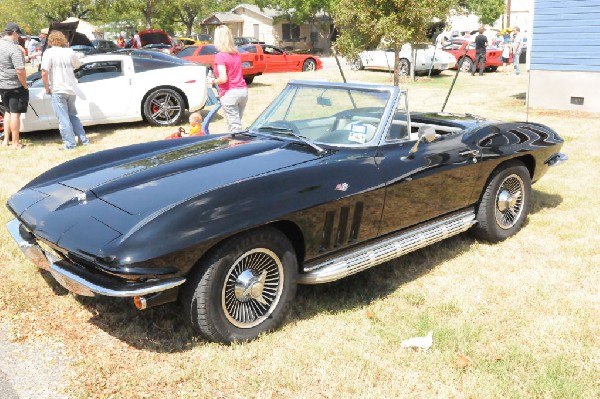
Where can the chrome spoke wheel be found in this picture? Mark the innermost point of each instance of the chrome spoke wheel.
(252, 288)
(509, 201)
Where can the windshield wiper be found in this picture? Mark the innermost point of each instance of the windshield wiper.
(290, 132)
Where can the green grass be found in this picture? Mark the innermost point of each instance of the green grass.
(526, 311)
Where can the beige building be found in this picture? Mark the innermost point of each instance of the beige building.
(271, 27)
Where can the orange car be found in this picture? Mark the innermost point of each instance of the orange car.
(252, 64)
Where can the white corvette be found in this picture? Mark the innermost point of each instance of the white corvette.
(427, 58)
(124, 87)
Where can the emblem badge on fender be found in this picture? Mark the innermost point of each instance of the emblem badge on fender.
(342, 187)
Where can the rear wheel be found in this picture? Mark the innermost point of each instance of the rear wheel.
(309, 65)
(163, 107)
(357, 64)
(465, 64)
(505, 203)
(403, 67)
(244, 288)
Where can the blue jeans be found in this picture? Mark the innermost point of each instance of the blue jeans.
(68, 121)
(516, 58)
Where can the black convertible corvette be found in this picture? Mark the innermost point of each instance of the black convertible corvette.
(330, 180)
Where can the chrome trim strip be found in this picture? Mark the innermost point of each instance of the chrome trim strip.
(557, 159)
(81, 286)
(388, 249)
(28, 245)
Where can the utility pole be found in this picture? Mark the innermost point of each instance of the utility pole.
(507, 13)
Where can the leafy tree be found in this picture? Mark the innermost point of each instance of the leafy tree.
(304, 11)
(488, 11)
(365, 23)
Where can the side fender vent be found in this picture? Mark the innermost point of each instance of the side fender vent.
(348, 227)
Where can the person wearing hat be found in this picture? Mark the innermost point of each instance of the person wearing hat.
(13, 84)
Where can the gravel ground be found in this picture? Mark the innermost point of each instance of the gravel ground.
(34, 370)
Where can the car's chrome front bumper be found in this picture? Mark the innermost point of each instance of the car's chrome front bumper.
(79, 280)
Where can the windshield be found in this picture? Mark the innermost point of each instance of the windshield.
(326, 115)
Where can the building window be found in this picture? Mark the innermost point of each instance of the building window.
(290, 31)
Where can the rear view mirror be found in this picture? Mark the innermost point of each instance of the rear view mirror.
(324, 101)
(427, 133)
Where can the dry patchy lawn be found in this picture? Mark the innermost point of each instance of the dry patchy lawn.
(525, 312)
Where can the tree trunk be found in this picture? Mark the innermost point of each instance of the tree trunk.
(396, 65)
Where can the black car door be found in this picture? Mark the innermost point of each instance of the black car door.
(438, 178)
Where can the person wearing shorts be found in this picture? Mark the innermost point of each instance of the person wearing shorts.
(13, 84)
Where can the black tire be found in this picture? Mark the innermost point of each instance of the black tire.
(357, 64)
(249, 79)
(403, 67)
(465, 64)
(243, 288)
(505, 203)
(309, 65)
(163, 107)
(493, 68)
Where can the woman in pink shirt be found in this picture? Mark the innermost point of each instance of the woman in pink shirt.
(228, 76)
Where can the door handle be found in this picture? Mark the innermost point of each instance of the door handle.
(469, 153)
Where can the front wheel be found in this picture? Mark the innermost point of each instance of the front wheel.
(244, 288)
(163, 107)
(309, 65)
(248, 79)
(505, 203)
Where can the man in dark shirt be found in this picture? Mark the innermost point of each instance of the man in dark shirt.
(481, 42)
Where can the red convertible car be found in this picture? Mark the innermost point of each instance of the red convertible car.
(256, 59)
(252, 64)
(279, 61)
(457, 48)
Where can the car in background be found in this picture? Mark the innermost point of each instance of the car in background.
(181, 42)
(122, 87)
(157, 39)
(105, 46)
(240, 41)
(203, 38)
(278, 60)
(83, 50)
(252, 64)
(330, 180)
(463, 52)
(426, 59)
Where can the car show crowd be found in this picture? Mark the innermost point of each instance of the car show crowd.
(473, 50)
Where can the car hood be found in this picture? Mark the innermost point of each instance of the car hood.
(154, 38)
(170, 172)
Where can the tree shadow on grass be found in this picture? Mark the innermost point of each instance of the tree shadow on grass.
(163, 329)
(363, 288)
